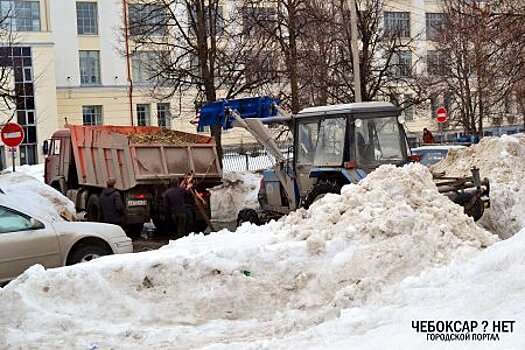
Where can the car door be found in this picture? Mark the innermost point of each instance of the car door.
(25, 242)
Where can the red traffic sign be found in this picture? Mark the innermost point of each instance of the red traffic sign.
(441, 115)
(12, 134)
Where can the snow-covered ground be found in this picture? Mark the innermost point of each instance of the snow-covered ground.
(354, 271)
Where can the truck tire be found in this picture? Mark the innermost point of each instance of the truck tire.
(161, 226)
(319, 190)
(87, 253)
(247, 215)
(93, 211)
(477, 209)
(133, 230)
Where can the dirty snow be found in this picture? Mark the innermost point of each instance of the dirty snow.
(502, 161)
(355, 268)
(238, 190)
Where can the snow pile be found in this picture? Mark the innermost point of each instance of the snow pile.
(502, 161)
(36, 171)
(238, 190)
(487, 287)
(258, 283)
(40, 199)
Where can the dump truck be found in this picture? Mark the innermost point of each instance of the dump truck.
(333, 146)
(142, 159)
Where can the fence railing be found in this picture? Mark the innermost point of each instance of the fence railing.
(250, 158)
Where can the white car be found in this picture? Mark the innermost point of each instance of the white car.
(27, 239)
(432, 154)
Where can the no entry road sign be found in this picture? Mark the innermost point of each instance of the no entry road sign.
(441, 115)
(12, 134)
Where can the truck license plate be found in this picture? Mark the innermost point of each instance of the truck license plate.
(136, 202)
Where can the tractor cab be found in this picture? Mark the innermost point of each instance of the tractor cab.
(342, 143)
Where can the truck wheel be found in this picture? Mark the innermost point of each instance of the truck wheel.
(133, 230)
(477, 209)
(93, 212)
(87, 253)
(247, 215)
(161, 226)
(319, 190)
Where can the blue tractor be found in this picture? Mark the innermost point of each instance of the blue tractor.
(333, 146)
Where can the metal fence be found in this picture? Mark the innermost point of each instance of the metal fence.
(250, 158)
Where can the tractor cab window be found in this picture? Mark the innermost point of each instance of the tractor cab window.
(378, 140)
(321, 141)
(307, 139)
(331, 142)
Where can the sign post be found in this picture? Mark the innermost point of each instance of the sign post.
(12, 135)
(441, 117)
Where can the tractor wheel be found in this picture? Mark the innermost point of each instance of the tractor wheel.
(477, 209)
(319, 190)
(247, 215)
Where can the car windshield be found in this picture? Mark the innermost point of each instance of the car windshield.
(321, 141)
(429, 157)
(378, 140)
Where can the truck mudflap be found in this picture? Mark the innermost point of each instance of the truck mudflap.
(471, 192)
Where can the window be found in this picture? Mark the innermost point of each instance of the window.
(434, 105)
(143, 115)
(142, 66)
(260, 66)
(12, 221)
(378, 141)
(147, 19)
(89, 67)
(436, 63)
(434, 23)
(398, 23)
(409, 107)
(163, 115)
(402, 64)
(256, 19)
(219, 21)
(87, 21)
(92, 115)
(21, 16)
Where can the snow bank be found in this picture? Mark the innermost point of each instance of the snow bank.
(238, 190)
(487, 287)
(502, 160)
(40, 199)
(260, 283)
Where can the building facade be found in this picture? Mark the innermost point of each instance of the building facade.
(70, 66)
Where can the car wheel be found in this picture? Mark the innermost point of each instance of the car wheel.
(87, 253)
(93, 212)
(248, 215)
(477, 209)
(320, 190)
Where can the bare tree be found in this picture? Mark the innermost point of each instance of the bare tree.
(194, 44)
(7, 63)
(483, 60)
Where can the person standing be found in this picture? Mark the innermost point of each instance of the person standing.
(427, 136)
(111, 204)
(174, 201)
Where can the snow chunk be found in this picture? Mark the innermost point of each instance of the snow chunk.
(29, 192)
(237, 191)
